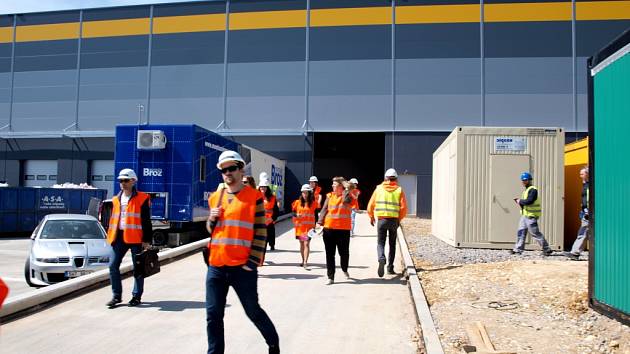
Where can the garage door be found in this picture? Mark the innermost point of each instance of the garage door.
(42, 173)
(102, 175)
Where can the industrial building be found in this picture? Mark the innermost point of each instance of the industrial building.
(334, 87)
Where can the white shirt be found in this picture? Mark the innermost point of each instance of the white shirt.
(124, 200)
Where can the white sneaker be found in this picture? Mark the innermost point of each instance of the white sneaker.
(330, 282)
(347, 275)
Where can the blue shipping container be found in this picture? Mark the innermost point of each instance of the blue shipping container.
(22, 208)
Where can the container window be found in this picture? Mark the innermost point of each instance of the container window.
(109, 177)
(52, 177)
(29, 177)
(42, 177)
(202, 169)
(97, 177)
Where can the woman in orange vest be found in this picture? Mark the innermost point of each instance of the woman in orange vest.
(304, 220)
(355, 193)
(336, 219)
(129, 229)
(271, 212)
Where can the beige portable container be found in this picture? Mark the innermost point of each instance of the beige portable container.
(476, 176)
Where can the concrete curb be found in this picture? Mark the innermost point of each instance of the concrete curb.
(431, 339)
(34, 301)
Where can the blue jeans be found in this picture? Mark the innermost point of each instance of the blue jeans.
(245, 283)
(353, 215)
(119, 249)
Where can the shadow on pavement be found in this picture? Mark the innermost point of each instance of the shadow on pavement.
(290, 276)
(396, 279)
(175, 305)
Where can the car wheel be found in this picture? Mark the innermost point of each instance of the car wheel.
(27, 273)
(159, 238)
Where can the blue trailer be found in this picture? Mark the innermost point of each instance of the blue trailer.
(175, 165)
(22, 208)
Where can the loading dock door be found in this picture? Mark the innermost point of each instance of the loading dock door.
(102, 175)
(409, 184)
(504, 187)
(39, 173)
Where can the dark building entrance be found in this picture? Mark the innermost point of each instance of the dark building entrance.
(358, 155)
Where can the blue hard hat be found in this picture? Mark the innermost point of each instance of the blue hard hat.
(526, 176)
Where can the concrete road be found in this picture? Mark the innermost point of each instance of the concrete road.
(365, 314)
(13, 254)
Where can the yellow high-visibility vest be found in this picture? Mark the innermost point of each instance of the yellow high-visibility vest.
(533, 210)
(387, 203)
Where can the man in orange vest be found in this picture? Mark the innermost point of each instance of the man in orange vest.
(237, 247)
(129, 229)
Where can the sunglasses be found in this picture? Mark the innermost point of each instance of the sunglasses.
(124, 180)
(229, 169)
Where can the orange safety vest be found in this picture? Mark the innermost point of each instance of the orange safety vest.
(232, 236)
(269, 205)
(4, 291)
(304, 219)
(133, 229)
(355, 201)
(338, 215)
(316, 194)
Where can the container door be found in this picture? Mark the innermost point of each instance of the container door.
(40, 173)
(409, 184)
(505, 185)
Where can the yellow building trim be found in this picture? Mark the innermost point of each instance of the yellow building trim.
(116, 28)
(602, 10)
(48, 32)
(191, 23)
(437, 14)
(576, 153)
(6, 34)
(268, 19)
(528, 12)
(351, 16)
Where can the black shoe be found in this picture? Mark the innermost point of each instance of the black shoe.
(390, 270)
(273, 248)
(547, 252)
(572, 256)
(381, 268)
(516, 252)
(274, 349)
(135, 301)
(113, 302)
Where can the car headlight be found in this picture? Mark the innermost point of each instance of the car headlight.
(48, 260)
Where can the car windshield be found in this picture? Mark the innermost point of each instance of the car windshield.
(71, 229)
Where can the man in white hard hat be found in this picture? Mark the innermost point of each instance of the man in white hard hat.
(237, 247)
(129, 229)
(353, 187)
(389, 205)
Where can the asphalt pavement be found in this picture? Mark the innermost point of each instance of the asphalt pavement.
(364, 314)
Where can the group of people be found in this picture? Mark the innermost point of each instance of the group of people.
(241, 224)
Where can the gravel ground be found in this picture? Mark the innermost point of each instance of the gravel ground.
(550, 312)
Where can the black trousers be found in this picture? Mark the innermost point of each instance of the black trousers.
(387, 226)
(271, 235)
(339, 240)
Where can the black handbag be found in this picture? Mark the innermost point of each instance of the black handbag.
(146, 264)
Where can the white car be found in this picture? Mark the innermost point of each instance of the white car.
(66, 246)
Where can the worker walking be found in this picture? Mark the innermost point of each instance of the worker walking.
(271, 212)
(354, 193)
(335, 217)
(237, 247)
(317, 191)
(304, 220)
(582, 236)
(129, 229)
(389, 205)
(531, 209)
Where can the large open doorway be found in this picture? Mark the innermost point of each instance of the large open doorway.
(358, 155)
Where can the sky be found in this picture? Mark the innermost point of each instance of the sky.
(25, 6)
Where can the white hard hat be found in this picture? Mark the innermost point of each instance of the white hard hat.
(229, 155)
(314, 232)
(313, 179)
(391, 173)
(263, 175)
(306, 188)
(354, 181)
(127, 173)
(264, 183)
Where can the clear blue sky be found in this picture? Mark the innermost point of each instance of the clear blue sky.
(24, 6)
